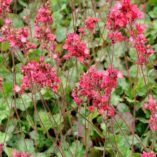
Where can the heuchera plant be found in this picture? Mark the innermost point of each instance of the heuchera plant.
(123, 16)
(93, 88)
(97, 87)
(40, 74)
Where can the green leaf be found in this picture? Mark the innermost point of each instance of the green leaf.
(93, 115)
(4, 137)
(40, 139)
(123, 83)
(4, 110)
(143, 120)
(61, 33)
(50, 121)
(141, 88)
(7, 86)
(25, 145)
(115, 99)
(152, 2)
(4, 46)
(136, 139)
(153, 13)
(57, 18)
(133, 54)
(8, 151)
(103, 127)
(17, 22)
(119, 142)
(136, 155)
(22, 3)
(24, 102)
(41, 155)
(133, 71)
(122, 107)
(75, 149)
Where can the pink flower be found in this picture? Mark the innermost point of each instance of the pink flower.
(40, 74)
(44, 15)
(148, 154)
(4, 6)
(91, 108)
(90, 22)
(120, 74)
(24, 18)
(96, 86)
(139, 43)
(45, 37)
(75, 47)
(7, 21)
(16, 89)
(110, 111)
(140, 28)
(153, 122)
(75, 96)
(122, 14)
(17, 37)
(151, 105)
(6, 3)
(122, 17)
(15, 153)
(42, 28)
(1, 147)
(81, 30)
(25, 154)
(115, 36)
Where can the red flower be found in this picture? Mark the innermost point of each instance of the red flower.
(148, 154)
(152, 107)
(21, 154)
(4, 6)
(122, 14)
(17, 37)
(96, 86)
(40, 74)
(115, 36)
(75, 47)
(44, 15)
(90, 22)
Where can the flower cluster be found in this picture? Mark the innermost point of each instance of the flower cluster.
(4, 6)
(90, 22)
(45, 37)
(15, 153)
(139, 42)
(43, 32)
(152, 107)
(1, 147)
(1, 81)
(123, 16)
(115, 36)
(97, 86)
(44, 15)
(40, 74)
(17, 37)
(148, 154)
(75, 47)
(81, 30)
